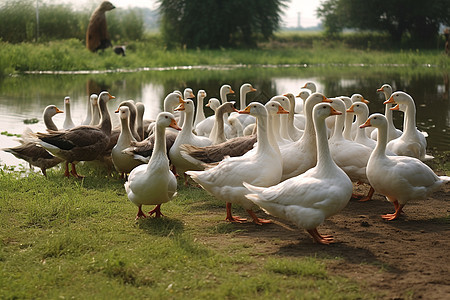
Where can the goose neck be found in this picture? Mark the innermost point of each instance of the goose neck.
(48, 121)
(105, 118)
(324, 160)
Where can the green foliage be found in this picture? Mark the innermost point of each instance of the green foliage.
(413, 23)
(60, 21)
(216, 24)
(356, 48)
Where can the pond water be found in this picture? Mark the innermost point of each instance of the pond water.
(24, 97)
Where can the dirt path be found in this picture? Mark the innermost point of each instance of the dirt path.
(400, 259)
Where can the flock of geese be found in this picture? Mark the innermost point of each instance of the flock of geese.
(296, 157)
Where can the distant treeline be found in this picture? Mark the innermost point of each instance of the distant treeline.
(19, 22)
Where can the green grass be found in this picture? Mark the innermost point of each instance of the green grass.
(63, 238)
(71, 55)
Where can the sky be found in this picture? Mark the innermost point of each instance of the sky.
(307, 9)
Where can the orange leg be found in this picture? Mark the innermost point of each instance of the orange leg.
(321, 239)
(74, 172)
(231, 218)
(156, 211)
(396, 214)
(257, 220)
(369, 195)
(66, 171)
(140, 213)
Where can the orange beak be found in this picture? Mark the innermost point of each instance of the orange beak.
(390, 100)
(325, 99)
(111, 97)
(192, 95)
(117, 110)
(58, 111)
(281, 110)
(180, 107)
(231, 91)
(245, 111)
(174, 125)
(252, 89)
(365, 101)
(334, 112)
(304, 87)
(366, 124)
(380, 90)
(180, 99)
(397, 107)
(350, 110)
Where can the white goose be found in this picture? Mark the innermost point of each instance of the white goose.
(95, 110)
(261, 167)
(399, 178)
(361, 111)
(412, 142)
(88, 118)
(217, 134)
(199, 113)
(300, 156)
(124, 163)
(356, 98)
(243, 91)
(393, 132)
(204, 127)
(308, 199)
(299, 118)
(275, 111)
(351, 156)
(186, 137)
(188, 93)
(294, 133)
(284, 118)
(154, 183)
(347, 133)
(68, 123)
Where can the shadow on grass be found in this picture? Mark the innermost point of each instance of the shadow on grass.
(164, 226)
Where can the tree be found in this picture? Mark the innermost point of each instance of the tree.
(402, 19)
(217, 23)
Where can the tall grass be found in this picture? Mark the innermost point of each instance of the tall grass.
(18, 22)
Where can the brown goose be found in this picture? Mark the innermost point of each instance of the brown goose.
(81, 143)
(237, 146)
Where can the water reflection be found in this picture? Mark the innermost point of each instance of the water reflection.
(24, 97)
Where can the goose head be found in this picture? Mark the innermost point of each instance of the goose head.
(213, 103)
(376, 120)
(94, 99)
(166, 119)
(255, 109)
(188, 93)
(224, 91)
(386, 89)
(227, 107)
(274, 107)
(172, 100)
(358, 108)
(310, 86)
(246, 88)
(283, 100)
(314, 99)
(304, 94)
(105, 96)
(358, 98)
(201, 94)
(400, 98)
(106, 5)
(187, 106)
(51, 110)
(321, 111)
(338, 104)
(124, 112)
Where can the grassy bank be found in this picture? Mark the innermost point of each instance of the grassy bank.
(65, 238)
(71, 55)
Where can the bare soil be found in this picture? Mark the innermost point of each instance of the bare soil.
(407, 258)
